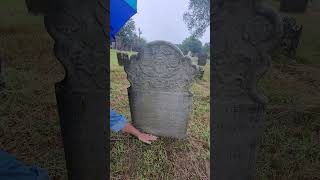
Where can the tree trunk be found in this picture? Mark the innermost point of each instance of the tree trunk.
(238, 112)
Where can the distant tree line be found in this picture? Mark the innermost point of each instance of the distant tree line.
(128, 39)
(194, 45)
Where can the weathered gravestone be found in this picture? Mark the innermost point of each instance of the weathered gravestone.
(244, 33)
(160, 99)
(202, 59)
(80, 32)
(122, 58)
(200, 72)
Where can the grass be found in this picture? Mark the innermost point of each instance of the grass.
(290, 147)
(166, 158)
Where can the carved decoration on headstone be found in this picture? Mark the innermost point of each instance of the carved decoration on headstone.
(244, 34)
(160, 99)
(80, 32)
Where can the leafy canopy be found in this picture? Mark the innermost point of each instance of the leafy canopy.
(197, 17)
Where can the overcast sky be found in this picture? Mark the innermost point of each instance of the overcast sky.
(163, 20)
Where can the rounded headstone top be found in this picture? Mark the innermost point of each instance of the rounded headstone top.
(161, 66)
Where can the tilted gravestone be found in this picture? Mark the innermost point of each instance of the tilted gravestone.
(160, 99)
(244, 35)
(80, 33)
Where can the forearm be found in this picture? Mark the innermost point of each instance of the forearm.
(129, 128)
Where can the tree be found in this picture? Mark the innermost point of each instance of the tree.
(127, 34)
(139, 42)
(181, 48)
(191, 44)
(197, 17)
(206, 48)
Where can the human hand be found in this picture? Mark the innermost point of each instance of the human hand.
(147, 138)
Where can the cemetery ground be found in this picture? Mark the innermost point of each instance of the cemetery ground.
(30, 128)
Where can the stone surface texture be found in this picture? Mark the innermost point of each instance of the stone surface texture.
(80, 32)
(160, 99)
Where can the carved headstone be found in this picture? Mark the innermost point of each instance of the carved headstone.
(202, 59)
(244, 33)
(80, 32)
(160, 99)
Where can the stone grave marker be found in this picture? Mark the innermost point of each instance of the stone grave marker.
(160, 99)
(80, 33)
(202, 59)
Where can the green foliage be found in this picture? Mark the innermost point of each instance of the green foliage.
(197, 17)
(191, 44)
(141, 42)
(128, 34)
(206, 48)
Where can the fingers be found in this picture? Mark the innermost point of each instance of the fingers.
(146, 141)
(148, 138)
(153, 138)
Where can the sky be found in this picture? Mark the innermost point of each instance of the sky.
(163, 20)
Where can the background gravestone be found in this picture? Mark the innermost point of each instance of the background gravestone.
(200, 72)
(202, 59)
(121, 58)
(244, 33)
(160, 99)
(80, 32)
